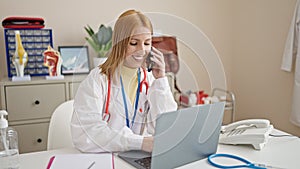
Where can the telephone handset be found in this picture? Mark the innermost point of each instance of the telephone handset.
(252, 131)
(149, 62)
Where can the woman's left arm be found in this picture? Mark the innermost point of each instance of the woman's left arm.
(160, 99)
(160, 96)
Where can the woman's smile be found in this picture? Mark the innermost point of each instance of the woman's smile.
(138, 58)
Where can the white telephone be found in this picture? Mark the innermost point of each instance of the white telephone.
(252, 131)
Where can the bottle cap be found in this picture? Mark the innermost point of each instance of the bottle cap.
(3, 121)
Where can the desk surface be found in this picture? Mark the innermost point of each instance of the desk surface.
(279, 151)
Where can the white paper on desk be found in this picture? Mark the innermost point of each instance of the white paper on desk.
(82, 161)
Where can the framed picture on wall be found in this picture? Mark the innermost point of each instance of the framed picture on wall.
(75, 59)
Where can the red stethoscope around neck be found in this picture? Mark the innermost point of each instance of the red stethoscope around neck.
(106, 116)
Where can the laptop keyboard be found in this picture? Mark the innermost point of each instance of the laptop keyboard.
(144, 162)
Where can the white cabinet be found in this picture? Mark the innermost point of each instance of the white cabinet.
(73, 88)
(30, 106)
(32, 137)
(36, 101)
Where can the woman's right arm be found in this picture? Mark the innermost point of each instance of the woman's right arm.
(89, 132)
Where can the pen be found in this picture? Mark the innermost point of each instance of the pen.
(91, 165)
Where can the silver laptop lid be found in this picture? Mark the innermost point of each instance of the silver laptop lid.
(186, 135)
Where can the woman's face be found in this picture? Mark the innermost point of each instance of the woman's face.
(138, 48)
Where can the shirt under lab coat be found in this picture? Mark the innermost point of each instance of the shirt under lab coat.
(91, 134)
(291, 55)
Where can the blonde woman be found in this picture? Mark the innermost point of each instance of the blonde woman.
(115, 107)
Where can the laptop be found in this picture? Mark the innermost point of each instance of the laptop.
(181, 137)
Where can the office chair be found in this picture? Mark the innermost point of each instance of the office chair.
(59, 134)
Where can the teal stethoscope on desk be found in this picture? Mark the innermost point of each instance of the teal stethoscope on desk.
(106, 115)
(247, 164)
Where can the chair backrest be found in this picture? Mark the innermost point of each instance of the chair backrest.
(59, 133)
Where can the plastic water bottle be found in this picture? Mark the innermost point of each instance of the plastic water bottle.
(9, 152)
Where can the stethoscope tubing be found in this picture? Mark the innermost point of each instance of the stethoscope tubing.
(106, 116)
(247, 164)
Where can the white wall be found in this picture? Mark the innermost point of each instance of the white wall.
(262, 89)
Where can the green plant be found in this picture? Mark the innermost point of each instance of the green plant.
(101, 40)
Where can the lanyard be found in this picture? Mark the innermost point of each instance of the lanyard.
(136, 100)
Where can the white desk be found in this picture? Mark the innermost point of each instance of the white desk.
(280, 152)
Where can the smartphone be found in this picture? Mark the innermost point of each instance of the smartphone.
(149, 62)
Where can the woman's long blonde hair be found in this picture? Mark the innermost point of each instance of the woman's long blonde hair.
(122, 33)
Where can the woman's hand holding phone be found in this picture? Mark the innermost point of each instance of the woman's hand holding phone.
(149, 63)
(156, 63)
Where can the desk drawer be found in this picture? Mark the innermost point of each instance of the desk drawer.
(33, 101)
(32, 137)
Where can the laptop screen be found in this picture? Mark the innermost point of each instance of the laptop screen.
(183, 136)
(187, 135)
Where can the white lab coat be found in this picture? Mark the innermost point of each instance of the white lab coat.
(292, 54)
(91, 134)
